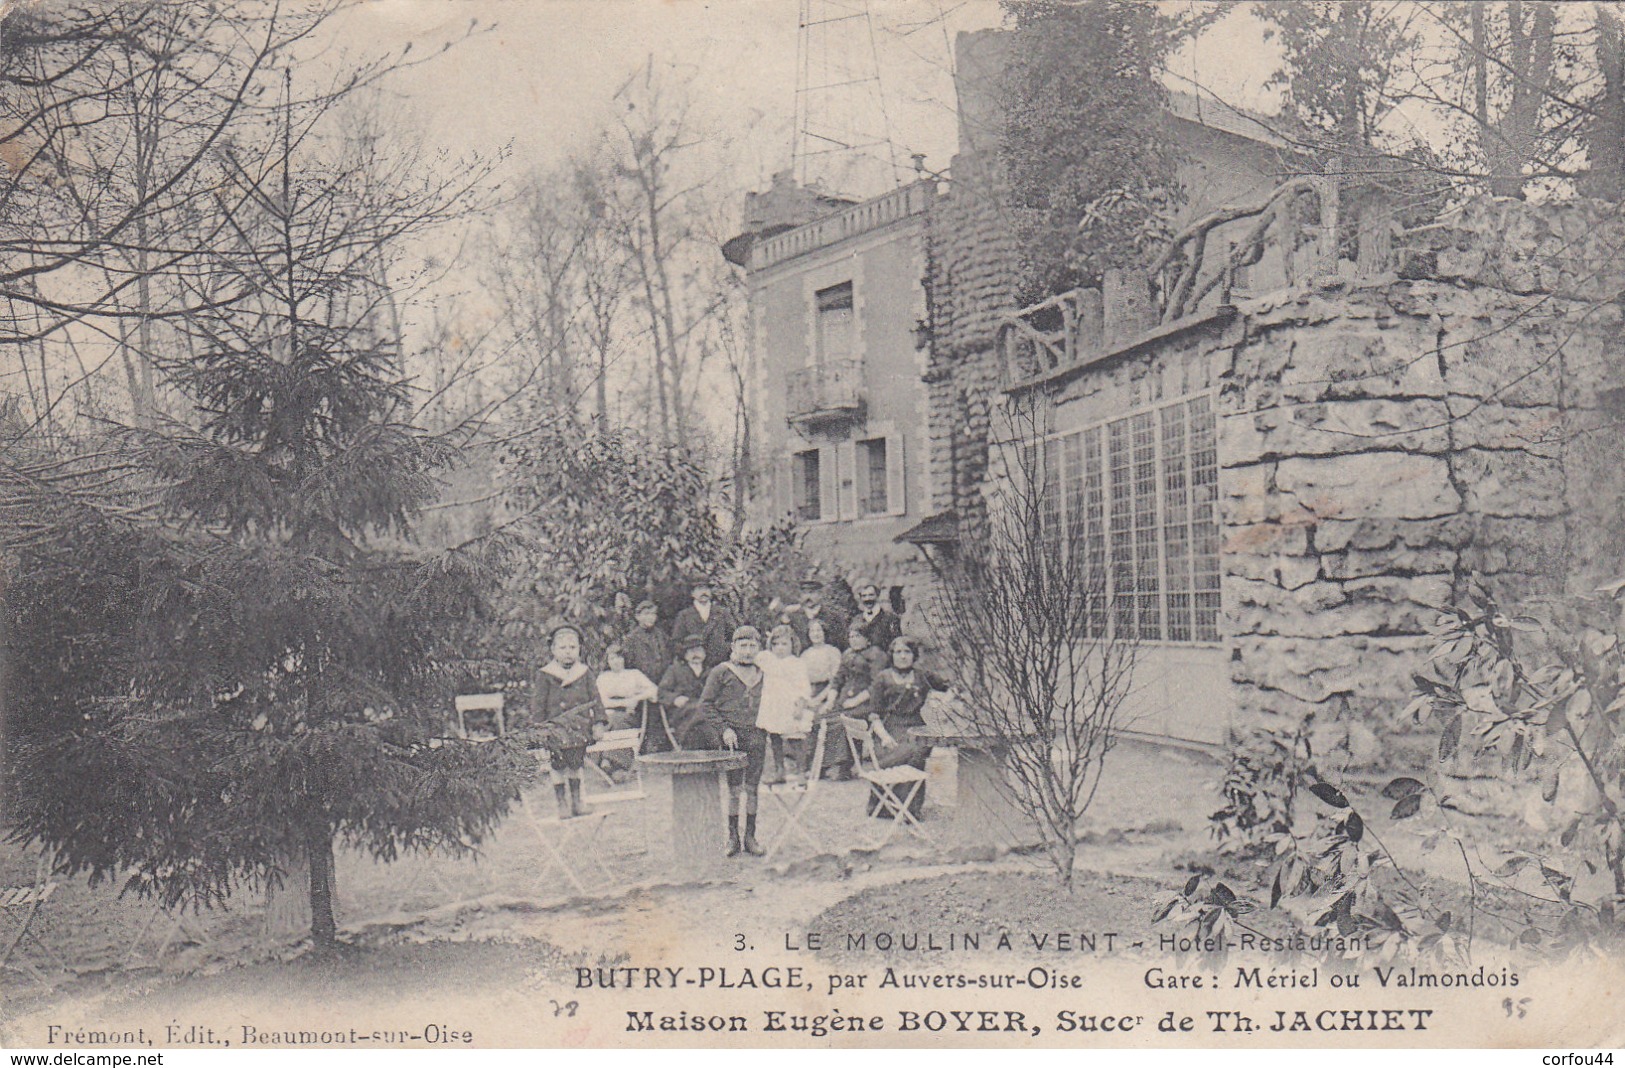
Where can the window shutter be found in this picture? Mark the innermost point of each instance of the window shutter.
(784, 495)
(828, 484)
(847, 471)
(896, 503)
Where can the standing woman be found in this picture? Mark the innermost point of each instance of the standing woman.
(566, 717)
(731, 700)
(896, 700)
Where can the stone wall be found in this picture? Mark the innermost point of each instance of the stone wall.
(1385, 441)
(971, 284)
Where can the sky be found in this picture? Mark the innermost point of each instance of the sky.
(538, 78)
(540, 75)
(544, 78)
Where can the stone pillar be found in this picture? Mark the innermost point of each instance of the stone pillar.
(1128, 311)
(1088, 323)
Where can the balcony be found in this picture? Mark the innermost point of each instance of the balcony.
(826, 392)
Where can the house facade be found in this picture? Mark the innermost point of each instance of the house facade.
(1280, 453)
(837, 305)
(875, 326)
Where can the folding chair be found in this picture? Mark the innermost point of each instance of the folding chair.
(565, 842)
(886, 781)
(795, 798)
(21, 906)
(628, 740)
(480, 708)
(174, 927)
(438, 875)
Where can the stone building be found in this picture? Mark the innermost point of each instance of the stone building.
(1284, 487)
(1282, 476)
(1282, 461)
(979, 335)
(874, 327)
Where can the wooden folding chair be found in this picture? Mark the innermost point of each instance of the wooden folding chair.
(795, 798)
(628, 740)
(21, 906)
(480, 709)
(567, 845)
(173, 929)
(886, 781)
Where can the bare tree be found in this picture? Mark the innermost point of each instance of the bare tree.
(115, 119)
(660, 209)
(1035, 644)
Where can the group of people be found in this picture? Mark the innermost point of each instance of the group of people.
(717, 684)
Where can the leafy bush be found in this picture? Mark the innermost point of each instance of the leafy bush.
(1268, 766)
(1539, 701)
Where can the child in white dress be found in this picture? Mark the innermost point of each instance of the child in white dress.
(787, 711)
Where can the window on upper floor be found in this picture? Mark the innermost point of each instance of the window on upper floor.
(836, 328)
(807, 485)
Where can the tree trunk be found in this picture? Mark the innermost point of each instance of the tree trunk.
(287, 908)
(5, 664)
(1605, 144)
(319, 847)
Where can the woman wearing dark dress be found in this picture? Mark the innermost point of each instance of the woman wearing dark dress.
(848, 695)
(731, 701)
(896, 700)
(565, 718)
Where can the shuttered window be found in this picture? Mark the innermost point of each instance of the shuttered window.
(806, 481)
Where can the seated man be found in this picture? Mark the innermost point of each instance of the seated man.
(680, 688)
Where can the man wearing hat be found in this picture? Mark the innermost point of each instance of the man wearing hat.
(812, 607)
(644, 646)
(711, 621)
(680, 688)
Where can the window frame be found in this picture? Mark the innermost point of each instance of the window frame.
(801, 502)
(1109, 527)
(864, 477)
(828, 299)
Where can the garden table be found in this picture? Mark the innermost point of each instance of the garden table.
(685, 804)
(985, 814)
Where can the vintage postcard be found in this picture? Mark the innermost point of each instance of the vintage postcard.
(812, 523)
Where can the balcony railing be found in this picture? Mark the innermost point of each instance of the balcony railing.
(872, 214)
(825, 391)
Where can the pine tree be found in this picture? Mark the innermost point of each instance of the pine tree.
(270, 664)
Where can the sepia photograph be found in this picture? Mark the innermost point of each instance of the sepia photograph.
(859, 524)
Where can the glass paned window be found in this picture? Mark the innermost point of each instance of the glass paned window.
(1137, 498)
(806, 481)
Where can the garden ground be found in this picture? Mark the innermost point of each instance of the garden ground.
(487, 943)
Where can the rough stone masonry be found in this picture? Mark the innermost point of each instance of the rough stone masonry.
(1384, 439)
